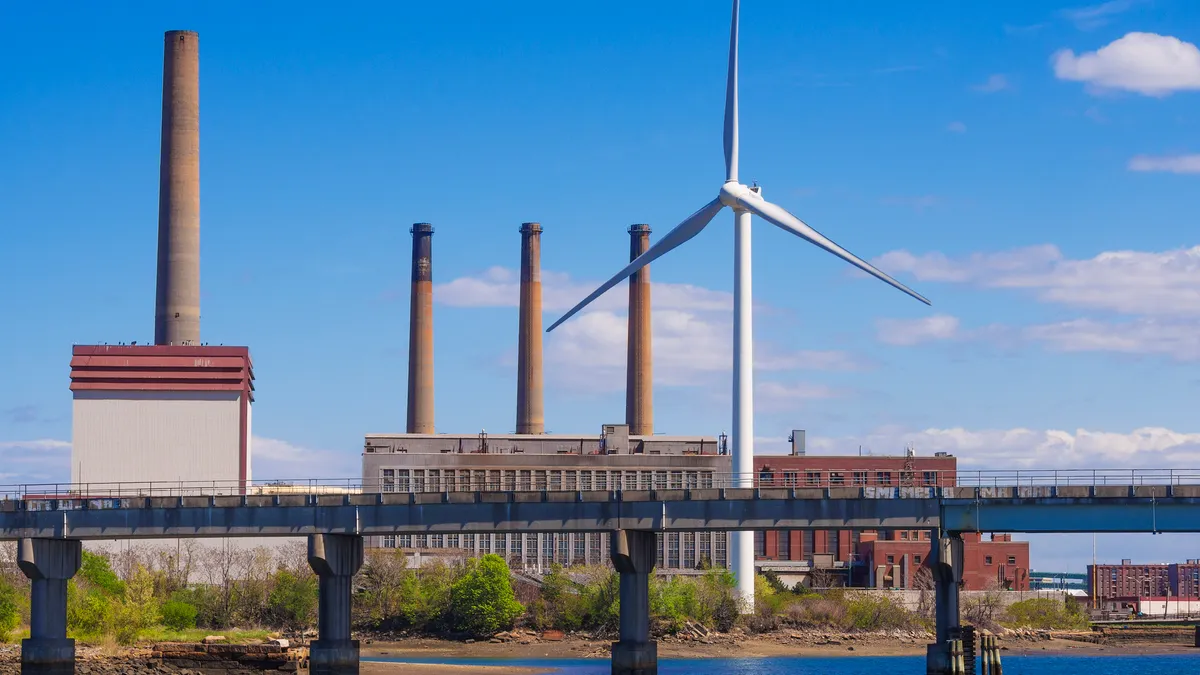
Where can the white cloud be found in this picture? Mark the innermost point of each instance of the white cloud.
(1094, 16)
(500, 287)
(1020, 448)
(688, 349)
(273, 458)
(1142, 283)
(916, 331)
(1172, 164)
(39, 444)
(995, 83)
(1147, 63)
(956, 127)
(1177, 339)
(778, 397)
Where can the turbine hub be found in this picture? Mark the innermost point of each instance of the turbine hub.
(734, 193)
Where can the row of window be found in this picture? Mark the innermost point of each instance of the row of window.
(838, 478)
(676, 550)
(469, 480)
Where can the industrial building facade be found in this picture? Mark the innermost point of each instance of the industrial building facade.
(614, 460)
(146, 414)
(875, 558)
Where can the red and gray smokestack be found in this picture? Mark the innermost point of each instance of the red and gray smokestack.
(420, 333)
(639, 387)
(530, 416)
(177, 301)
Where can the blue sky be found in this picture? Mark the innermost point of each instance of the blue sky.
(1030, 167)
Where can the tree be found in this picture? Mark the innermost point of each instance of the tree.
(292, 602)
(178, 615)
(138, 609)
(482, 599)
(10, 613)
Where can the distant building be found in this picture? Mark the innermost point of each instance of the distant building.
(1120, 587)
(883, 558)
(614, 460)
(152, 415)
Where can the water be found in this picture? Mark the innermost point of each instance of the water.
(859, 665)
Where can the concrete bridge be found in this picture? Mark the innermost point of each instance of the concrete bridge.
(51, 525)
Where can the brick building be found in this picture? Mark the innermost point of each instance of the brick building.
(1115, 586)
(876, 558)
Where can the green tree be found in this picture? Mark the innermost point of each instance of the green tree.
(138, 609)
(292, 602)
(482, 599)
(178, 615)
(96, 571)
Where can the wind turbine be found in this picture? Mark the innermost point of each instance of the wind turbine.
(744, 201)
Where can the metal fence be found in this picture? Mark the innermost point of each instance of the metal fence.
(618, 480)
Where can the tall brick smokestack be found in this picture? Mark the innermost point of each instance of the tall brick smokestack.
(177, 301)
(639, 378)
(530, 416)
(420, 332)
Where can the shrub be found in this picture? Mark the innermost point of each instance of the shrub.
(178, 615)
(292, 602)
(89, 610)
(816, 611)
(870, 613)
(1046, 614)
(97, 572)
(10, 613)
(717, 594)
(482, 599)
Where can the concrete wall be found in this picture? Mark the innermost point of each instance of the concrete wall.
(156, 436)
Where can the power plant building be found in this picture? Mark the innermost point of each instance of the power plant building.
(161, 414)
(614, 460)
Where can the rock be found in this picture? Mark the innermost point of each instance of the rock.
(495, 641)
(213, 639)
(470, 641)
(552, 635)
(282, 642)
(849, 649)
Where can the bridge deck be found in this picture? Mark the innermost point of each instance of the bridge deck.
(1103, 508)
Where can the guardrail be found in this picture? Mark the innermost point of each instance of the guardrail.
(538, 480)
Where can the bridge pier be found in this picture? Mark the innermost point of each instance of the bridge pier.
(335, 558)
(633, 556)
(48, 563)
(946, 563)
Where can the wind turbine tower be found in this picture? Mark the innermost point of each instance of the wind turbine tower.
(744, 202)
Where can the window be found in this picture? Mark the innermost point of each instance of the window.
(785, 545)
(676, 480)
(660, 480)
(812, 478)
(405, 541)
(435, 480)
(891, 560)
(1012, 560)
(689, 550)
(658, 549)
(987, 560)
(585, 480)
(705, 548)
(525, 480)
(904, 535)
(402, 484)
(389, 483)
(571, 482)
(765, 478)
(806, 544)
(860, 477)
(580, 549)
(389, 541)
(789, 479)
(693, 480)
(452, 541)
(760, 543)
(539, 480)
(883, 477)
(837, 478)
(556, 480)
(601, 480)
(672, 549)
(418, 480)
(832, 543)
(929, 477)
(720, 542)
(916, 560)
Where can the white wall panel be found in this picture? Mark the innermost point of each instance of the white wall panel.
(155, 436)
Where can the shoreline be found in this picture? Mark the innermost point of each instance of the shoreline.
(759, 646)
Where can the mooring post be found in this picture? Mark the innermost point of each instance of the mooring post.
(633, 556)
(335, 558)
(48, 563)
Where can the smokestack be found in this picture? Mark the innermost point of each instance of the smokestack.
(420, 332)
(530, 415)
(639, 387)
(177, 302)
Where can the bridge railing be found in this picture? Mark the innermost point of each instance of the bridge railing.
(568, 481)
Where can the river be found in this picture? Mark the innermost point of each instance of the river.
(1175, 664)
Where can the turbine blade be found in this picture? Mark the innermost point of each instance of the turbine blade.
(779, 217)
(731, 101)
(682, 232)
